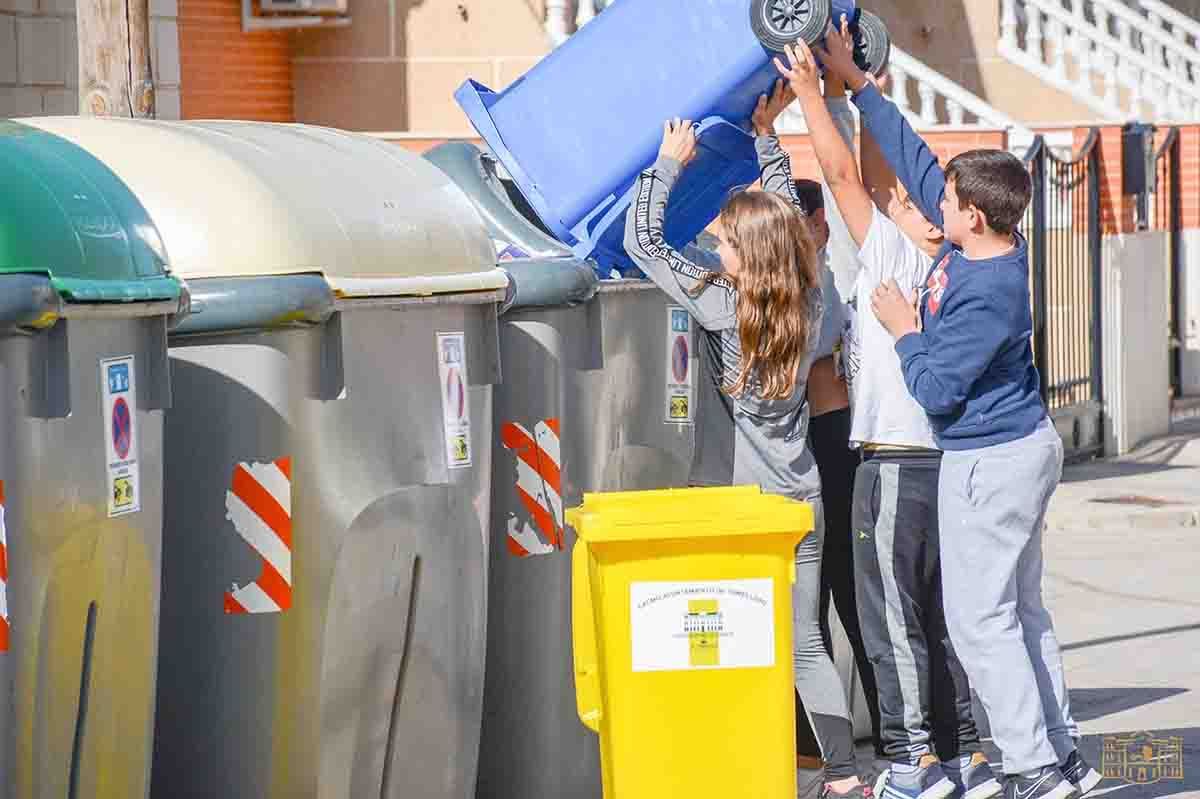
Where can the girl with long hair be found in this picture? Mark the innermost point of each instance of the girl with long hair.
(758, 300)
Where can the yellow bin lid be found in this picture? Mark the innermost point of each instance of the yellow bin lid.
(669, 514)
(240, 199)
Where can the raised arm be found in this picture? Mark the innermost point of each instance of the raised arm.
(906, 152)
(878, 177)
(774, 165)
(709, 297)
(911, 159)
(831, 143)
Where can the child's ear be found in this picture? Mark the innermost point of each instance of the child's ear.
(980, 221)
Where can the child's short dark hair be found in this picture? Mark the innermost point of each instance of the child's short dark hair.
(995, 182)
(809, 192)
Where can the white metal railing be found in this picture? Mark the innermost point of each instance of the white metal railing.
(1071, 45)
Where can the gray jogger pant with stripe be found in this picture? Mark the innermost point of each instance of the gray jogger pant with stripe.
(924, 698)
(993, 506)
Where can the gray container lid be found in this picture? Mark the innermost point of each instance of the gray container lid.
(244, 199)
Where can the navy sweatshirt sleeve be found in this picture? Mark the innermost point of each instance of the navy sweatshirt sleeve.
(940, 368)
(906, 152)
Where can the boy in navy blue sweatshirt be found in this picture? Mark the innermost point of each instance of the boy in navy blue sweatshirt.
(966, 357)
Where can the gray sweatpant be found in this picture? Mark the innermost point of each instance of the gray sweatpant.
(992, 510)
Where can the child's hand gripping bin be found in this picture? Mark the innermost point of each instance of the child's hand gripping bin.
(682, 623)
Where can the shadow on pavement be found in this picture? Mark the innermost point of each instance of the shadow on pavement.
(1116, 639)
(1155, 456)
(1088, 704)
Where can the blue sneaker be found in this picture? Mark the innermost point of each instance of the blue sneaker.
(929, 781)
(1080, 774)
(975, 780)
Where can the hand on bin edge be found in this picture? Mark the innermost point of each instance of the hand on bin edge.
(837, 55)
(770, 107)
(679, 141)
(801, 73)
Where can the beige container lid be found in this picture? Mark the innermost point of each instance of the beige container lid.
(240, 199)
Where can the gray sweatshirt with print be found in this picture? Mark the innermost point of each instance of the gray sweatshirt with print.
(739, 440)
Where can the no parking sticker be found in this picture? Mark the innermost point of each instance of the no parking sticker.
(456, 405)
(118, 384)
(681, 372)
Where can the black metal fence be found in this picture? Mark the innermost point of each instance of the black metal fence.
(1168, 216)
(1063, 227)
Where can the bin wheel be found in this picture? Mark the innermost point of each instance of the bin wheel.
(778, 23)
(872, 44)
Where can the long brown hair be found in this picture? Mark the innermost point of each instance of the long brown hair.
(774, 284)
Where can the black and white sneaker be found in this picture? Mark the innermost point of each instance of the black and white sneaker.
(1080, 773)
(975, 781)
(1048, 783)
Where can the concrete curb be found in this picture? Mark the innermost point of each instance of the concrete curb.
(1153, 519)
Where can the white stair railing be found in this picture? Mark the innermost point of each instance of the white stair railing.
(928, 98)
(564, 17)
(1134, 31)
(559, 21)
(1180, 27)
(959, 106)
(1103, 54)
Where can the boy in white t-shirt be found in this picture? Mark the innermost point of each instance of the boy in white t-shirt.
(928, 733)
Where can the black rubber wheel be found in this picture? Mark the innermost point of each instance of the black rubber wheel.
(872, 44)
(778, 23)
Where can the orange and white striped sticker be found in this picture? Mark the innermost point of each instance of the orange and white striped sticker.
(4, 630)
(260, 506)
(539, 488)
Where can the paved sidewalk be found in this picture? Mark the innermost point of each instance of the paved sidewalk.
(1157, 485)
(1123, 582)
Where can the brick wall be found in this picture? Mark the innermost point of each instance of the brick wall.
(1117, 209)
(39, 58)
(1190, 175)
(945, 142)
(229, 74)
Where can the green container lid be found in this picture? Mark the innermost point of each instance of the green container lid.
(64, 214)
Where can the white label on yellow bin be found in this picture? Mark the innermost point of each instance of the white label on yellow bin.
(681, 369)
(723, 624)
(456, 402)
(118, 391)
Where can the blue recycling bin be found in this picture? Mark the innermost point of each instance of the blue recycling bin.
(574, 131)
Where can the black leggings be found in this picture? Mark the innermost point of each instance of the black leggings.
(829, 437)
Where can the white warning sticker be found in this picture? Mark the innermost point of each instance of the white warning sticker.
(723, 624)
(681, 373)
(456, 404)
(118, 389)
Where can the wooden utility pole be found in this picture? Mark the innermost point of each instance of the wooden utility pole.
(114, 58)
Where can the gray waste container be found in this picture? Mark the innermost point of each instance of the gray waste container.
(599, 392)
(328, 462)
(85, 300)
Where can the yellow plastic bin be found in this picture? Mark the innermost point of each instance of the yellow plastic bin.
(682, 617)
